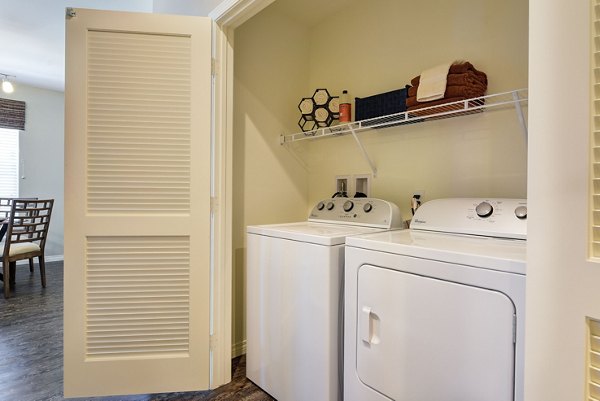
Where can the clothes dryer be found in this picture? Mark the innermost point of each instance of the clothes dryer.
(437, 312)
(294, 297)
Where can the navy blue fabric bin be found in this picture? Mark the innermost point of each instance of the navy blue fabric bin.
(381, 104)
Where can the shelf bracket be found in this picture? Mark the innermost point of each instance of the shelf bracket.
(363, 151)
(520, 115)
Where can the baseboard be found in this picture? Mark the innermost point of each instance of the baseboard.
(48, 259)
(238, 349)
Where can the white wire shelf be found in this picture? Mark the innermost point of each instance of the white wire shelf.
(515, 98)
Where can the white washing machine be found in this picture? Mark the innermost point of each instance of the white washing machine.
(437, 312)
(294, 302)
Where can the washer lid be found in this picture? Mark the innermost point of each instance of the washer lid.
(314, 233)
(501, 254)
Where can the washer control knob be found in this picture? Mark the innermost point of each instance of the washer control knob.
(484, 210)
(348, 205)
(521, 212)
(367, 207)
(330, 206)
(320, 206)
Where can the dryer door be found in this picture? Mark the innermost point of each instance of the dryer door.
(421, 338)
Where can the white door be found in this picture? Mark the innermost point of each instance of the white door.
(137, 203)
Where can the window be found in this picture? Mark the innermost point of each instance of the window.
(9, 163)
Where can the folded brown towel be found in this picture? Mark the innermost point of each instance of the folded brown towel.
(451, 92)
(464, 90)
(412, 101)
(467, 79)
(461, 67)
(458, 68)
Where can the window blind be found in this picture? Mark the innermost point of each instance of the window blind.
(12, 114)
(595, 140)
(9, 163)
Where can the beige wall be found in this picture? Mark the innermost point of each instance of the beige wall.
(368, 48)
(380, 46)
(269, 184)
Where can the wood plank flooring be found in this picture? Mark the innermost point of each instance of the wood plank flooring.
(31, 342)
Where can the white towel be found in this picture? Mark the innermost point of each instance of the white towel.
(432, 83)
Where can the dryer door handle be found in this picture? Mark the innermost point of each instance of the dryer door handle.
(368, 326)
(365, 325)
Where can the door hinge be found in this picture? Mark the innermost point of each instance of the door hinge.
(212, 342)
(214, 204)
(70, 13)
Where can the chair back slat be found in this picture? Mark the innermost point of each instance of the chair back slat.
(29, 221)
(6, 205)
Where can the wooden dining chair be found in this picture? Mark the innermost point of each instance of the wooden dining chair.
(25, 237)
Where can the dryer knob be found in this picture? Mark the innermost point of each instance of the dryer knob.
(367, 207)
(330, 206)
(348, 205)
(484, 210)
(521, 212)
(320, 206)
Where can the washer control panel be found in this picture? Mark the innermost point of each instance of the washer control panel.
(368, 212)
(504, 218)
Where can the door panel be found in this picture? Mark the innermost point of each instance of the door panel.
(137, 203)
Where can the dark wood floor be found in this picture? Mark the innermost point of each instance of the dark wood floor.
(31, 340)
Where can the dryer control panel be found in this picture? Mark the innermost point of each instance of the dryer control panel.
(491, 217)
(367, 212)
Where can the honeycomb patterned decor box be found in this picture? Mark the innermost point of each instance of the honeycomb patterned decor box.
(318, 111)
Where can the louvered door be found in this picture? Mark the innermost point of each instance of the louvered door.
(137, 203)
(593, 360)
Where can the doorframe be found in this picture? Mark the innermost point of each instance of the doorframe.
(227, 16)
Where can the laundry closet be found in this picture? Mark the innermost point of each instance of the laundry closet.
(291, 48)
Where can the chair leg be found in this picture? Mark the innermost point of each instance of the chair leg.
(43, 270)
(31, 265)
(13, 273)
(6, 278)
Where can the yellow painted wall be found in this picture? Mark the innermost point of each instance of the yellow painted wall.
(269, 184)
(371, 47)
(381, 45)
